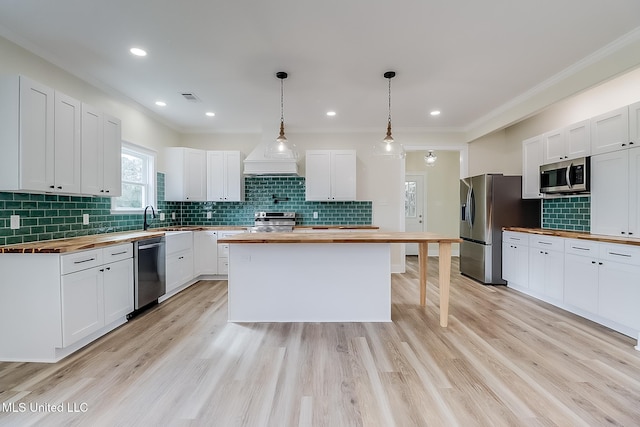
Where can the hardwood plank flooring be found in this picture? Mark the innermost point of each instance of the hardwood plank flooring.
(504, 360)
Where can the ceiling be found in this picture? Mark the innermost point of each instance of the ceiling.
(466, 58)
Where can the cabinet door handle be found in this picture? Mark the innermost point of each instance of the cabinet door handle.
(108, 268)
(599, 263)
(181, 257)
(579, 248)
(544, 243)
(617, 254)
(102, 270)
(60, 187)
(84, 260)
(593, 262)
(52, 186)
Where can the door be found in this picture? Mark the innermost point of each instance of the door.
(67, 143)
(413, 208)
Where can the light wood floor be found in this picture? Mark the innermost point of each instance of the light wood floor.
(505, 359)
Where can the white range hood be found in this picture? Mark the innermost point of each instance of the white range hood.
(257, 164)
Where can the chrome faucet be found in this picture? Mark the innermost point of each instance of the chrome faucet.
(145, 225)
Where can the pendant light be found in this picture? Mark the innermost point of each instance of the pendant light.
(388, 147)
(281, 148)
(430, 158)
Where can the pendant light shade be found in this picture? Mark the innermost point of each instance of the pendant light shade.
(430, 158)
(281, 148)
(388, 147)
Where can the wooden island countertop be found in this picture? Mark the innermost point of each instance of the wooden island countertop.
(422, 239)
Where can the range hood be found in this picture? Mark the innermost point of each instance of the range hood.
(257, 164)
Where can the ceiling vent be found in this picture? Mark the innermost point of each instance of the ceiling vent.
(191, 97)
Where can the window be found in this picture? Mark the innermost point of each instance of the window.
(138, 179)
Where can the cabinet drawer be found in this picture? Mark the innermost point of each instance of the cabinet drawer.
(117, 252)
(80, 261)
(223, 250)
(177, 241)
(625, 254)
(547, 242)
(581, 247)
(223, 265)
(514, 237)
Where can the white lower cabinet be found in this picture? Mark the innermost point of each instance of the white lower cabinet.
(223, 251)
(95, 296)
(546, 266)
(179, 259)
(515, 256)
(82, 304)
(596, 280)
(205, 248)
(619, 285)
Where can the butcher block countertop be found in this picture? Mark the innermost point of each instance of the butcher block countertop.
(79, 243)
(576, 235)
(328, 237)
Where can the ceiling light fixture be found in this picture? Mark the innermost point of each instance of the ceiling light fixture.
(161, 103)
(435, 113)
(210, 114)
(137, 51)
(388, 147)
(281, 148)
(430, 158)
(331, 113)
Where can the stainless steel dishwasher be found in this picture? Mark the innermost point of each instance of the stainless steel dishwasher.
(150, 272)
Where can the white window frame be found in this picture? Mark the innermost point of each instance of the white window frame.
(151, 186)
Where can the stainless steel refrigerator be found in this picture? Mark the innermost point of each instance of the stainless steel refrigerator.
(488, 203)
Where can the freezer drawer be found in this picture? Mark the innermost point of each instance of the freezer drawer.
(481, 262)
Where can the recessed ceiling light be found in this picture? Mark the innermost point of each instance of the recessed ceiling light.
(137, 51)
(331, 113)
(161, 103)
(435, 113)
(210, 113)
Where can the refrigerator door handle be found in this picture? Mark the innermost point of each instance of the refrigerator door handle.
(470, 207)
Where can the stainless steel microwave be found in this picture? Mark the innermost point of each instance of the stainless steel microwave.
(568, 176)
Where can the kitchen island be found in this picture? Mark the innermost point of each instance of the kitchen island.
(323, 277)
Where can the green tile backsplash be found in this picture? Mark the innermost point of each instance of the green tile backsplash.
(567, 213)
(49, 216)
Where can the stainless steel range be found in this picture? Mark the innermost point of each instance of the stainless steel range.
(273, 222)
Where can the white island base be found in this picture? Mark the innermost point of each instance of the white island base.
(306, 282)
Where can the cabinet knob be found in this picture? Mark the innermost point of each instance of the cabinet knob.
(108, 268)
(60, 187)
(622, 232)
(102, 191)
(593, 262)
(599, 263)
(102, 269)
(624, 145)
(106, 191)
(631, 143)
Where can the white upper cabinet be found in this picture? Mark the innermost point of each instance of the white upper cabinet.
(634, 124)
(567, 143)
(330, 175)
(41, 132)
(66, 151)
(611, 196)
(610, 131)
(532, 157)
(101, 148)
(225, 181)
(186, 174)
(35, 119)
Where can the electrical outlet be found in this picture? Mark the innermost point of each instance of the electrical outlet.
(173, 215)
(208, 215)
(315, 215)
(15, 222)
(85, 219)
(161, 216)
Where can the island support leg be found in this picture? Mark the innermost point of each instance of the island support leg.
(422, 262)
(445, 277)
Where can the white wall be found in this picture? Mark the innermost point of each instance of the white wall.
(137, 126)
(501, 151)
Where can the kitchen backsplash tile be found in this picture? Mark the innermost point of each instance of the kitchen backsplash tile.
(567, 213)
(48, 216)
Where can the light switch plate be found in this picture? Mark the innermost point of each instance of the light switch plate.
(161, 216)
(15, 222)
(208, 215)
(85, 219)
(315, 215)
(173, 215)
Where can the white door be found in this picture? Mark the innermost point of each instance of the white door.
(413, 208)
